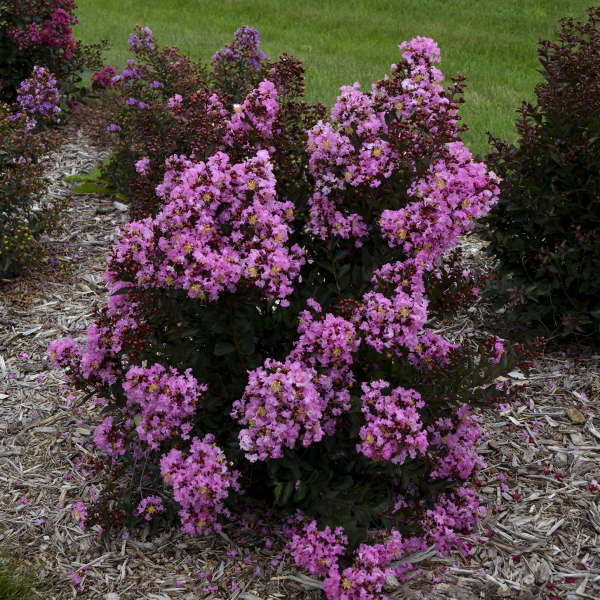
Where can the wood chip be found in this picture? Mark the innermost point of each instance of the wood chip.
(576, 416)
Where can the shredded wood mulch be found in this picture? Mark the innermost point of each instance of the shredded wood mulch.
(540, 539)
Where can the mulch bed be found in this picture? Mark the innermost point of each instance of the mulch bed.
(540, 539)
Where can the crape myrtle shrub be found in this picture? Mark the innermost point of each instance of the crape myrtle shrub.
(25, 213)
(39, 32)
(278, 347)
(168, 104)
(546, 227)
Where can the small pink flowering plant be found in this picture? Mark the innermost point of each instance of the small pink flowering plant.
(275, 340)
(40, 32)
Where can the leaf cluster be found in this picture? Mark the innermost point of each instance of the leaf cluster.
(546, 227)
(25, 213)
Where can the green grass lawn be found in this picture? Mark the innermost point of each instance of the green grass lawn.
(492, 42)
(12, 587)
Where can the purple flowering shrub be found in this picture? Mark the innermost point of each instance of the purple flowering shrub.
(238, 66)
(25, 214)
(268, 334)
(38, 97)
(169, 105)
(39, 32)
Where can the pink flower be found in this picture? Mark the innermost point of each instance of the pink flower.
(80, 514)
(149, 507)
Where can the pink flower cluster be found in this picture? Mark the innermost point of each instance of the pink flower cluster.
(327, 343)
(390, 323)
(103, 79)
(129, 75)
(256, 115)
(185, 247)
(454, 192)
(367, 575)
(65, 354)
(38, 96)
(161, 402)
(359, 150)
(55, 31)
(201, 481)
(111, 439)
(300, 399)
(142, 166)
(452, 446)
(318, 550)
(452, 515)
(100, 360)
(393, 429)
(281, 406)
(421, 87)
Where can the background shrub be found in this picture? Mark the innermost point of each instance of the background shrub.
(166, 104)
(25, 213)
(546, 227)
(39, 32)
